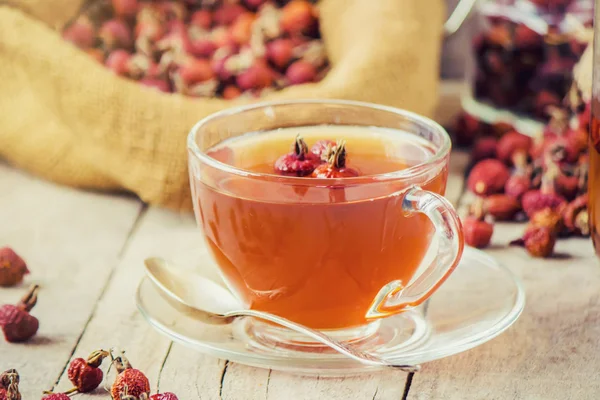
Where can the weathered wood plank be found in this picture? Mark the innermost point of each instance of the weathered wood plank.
(551, 352)
(71, 240)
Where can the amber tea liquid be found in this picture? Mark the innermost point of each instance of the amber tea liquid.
(315, 254)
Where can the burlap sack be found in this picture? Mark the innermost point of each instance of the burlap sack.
(66, 118)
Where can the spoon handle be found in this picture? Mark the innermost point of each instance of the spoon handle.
(320, 337)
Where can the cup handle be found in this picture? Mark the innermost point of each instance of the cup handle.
(395, 297)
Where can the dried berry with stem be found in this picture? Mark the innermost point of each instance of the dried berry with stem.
(477, 231)
(299, 162)
(86, 375)
(16, 322)
(129, 381)
(56, 396)
(12, 267)
(513, 145)
(546, 196)
(548, 218)
(9, 385)
(335, 165)
(576, 216)
(539, 241)
(488, 177)
(501, 206)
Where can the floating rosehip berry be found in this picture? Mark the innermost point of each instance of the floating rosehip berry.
(164, 396)
(16, 322)
(335, 167)
(321, 147)
(301, 72)
(299, 162)
(488, 177)
(86, 375)
(9, 385)
(129, 381)
(12, 268)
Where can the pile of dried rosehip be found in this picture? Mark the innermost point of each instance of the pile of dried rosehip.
(205, 48)
(542, 179)
(527, 70)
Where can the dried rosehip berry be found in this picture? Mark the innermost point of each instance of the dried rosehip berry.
(547, 217)
(227, 13)
(301, 72)
(477, 233)
(86, 374)
(499, 35)
(526, 38)
(501, 206)
(298, 17)
(517, 185)
(231, 92)
(118, 62)
(567, 186)
(56, 396)
(159, 84)
(9, 385)
(164, 396)
(512, 143)
(535, 200)
(129, 381)
(299, 162)
(12, 268)
(201, 19)
(125, 8)
(241, 30)
(16, 322)
(484, 148)
(258, 76)
(576, 217)
(81, 33)
(321, 147)
(115, 34)
(466, 129)
(195, 70)
(280, 52)
(488, 177)
(336, 164)
(539, 241)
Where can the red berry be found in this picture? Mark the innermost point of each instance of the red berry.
(241, 29)
(231, 92)
(12, 267)
(280, 52)
(16, 322)
(511, 143)
(258, 76)
(517, 185)
(118, 62)
(488, 177)
(86, 374)
(125, 8)
(466, 129)
(297, 17)
(227, 13)
(56, 396)
(158, 84)
(484, 148)
(129, 381)
(526, 37)
(254, 4)
(81, 33)
(115, 34)
(164, 396)
(535, 200)
(539, 241)
(336, 163)
(301, 72)
(202, 19)
(299, 162)
(477, 233)
(196, 70)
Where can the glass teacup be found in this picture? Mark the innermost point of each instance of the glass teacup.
(334, 254)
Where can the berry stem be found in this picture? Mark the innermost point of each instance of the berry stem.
(95, 359)
(300, 147)
(30, 299)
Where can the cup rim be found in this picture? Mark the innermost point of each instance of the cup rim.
(410, 172)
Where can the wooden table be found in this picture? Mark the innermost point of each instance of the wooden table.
(86, 250)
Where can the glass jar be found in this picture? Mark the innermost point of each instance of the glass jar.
(523, 58)
(594, 143)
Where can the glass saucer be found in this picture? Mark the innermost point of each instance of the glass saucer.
(479, 301)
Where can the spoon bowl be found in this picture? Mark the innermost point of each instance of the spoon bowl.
(199, 297)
